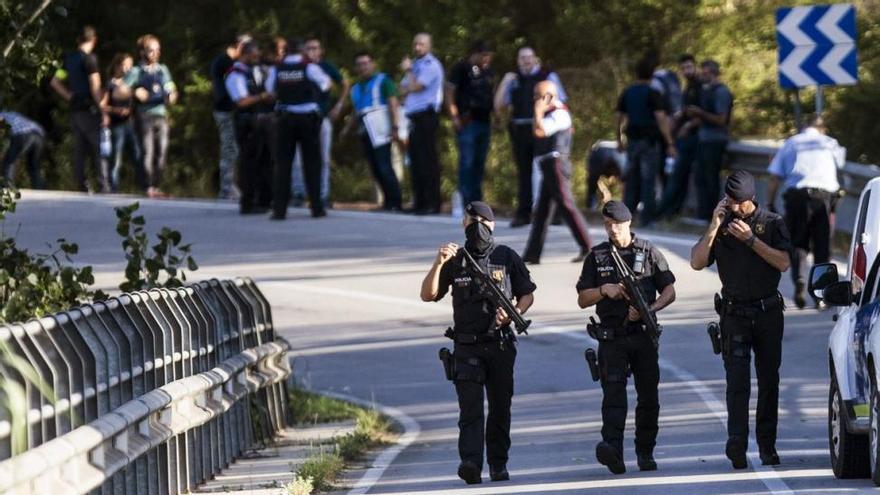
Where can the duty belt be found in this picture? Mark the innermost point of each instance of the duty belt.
(469, 338)
(736, 307)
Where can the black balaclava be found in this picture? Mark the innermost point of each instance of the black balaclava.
(479, 239)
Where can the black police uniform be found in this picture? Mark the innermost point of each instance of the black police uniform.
(484, 357)
(255, 133)
(629, 346)
(553, 154)
(751, 321)
(522, 138)
(293, 87)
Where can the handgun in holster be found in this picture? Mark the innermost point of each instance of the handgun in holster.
(598, 331)
(714, 336)
(592, 362)
(448, 360)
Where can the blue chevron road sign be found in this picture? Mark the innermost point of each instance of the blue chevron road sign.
(817, 45)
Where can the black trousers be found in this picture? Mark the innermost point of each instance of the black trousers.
(424, 162)
(555, 191)
(760, 333)
(303, 129)
(636, 351)
(522, 139)
(86, 127)
(495, 375)
(255, 133)
(808, 217)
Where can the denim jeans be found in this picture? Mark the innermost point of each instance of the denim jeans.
(124, 135)
(380, 164)
(473, 145)
(29, 146)
(643, 158)
(228, 152)
(153, 130)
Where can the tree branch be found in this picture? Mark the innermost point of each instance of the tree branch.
(8, 48)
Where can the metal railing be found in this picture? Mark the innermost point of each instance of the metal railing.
(154, 391)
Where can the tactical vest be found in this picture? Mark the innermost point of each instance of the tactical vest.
(473, 312)
(613, 311)
(522, 97)
(254, 88)
(560, 142)
(292, 85)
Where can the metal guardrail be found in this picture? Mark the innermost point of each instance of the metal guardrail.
(155, 391)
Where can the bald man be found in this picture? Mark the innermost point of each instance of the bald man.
(422, 90)
(552, 128)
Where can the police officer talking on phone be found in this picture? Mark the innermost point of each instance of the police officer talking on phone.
(623, 342)
(751, 245)
(485, 350)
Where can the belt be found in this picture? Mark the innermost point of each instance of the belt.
(471, 338)
(764, 304)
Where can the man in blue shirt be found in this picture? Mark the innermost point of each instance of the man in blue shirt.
(26, 139)
(642, 116)
(713, 112)
(422, 87)
(374, 98)
(296, 83)
(515, 93)
(807, 166)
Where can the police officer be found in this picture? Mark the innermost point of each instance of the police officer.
(484, 351)
(623, 342)
(297, 84)
(254, 129)
(807, 166)
(516, 92)
(552, 131)
(751, 245)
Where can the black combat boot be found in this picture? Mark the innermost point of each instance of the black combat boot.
(646, 461)
(499, 473)
(736, 452)
(610, 457)
(470, 473)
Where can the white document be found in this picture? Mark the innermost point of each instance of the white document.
(378, 126)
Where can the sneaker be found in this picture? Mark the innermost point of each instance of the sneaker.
(470, 473)
(769, 457)
(610, 457)
(736, 452)
(499, 473)
(646, 462)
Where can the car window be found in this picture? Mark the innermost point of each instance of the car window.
(859, 257)
(871, 286)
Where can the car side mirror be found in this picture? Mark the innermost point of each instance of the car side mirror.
(821, 277)
(838, 294)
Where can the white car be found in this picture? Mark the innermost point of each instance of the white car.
(854, 348)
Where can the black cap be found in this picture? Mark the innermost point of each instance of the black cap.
(740, 186)
(480, 209)
(617, 211)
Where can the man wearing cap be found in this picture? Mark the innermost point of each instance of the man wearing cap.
(623, 342)
(485, 349)
(751, 245)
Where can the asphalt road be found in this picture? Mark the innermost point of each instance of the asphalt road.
(344, 292)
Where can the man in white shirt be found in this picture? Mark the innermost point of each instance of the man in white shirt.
(553, 131)
(806, 166)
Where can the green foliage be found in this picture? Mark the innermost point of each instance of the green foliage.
(322, 469)
(159, 265)
(591, 43)
(309, 408)
(34, 285)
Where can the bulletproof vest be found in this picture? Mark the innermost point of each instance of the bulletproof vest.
(638, 257)
(473, 312)
(154, 83)
(522, 97)
(254, 87)
(292, 86)
(78, 80)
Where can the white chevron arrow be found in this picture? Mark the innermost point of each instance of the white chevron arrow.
(830, 64)
(791, 66)
(789, 26)
(827, 25)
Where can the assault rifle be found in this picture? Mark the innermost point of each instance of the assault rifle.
(637, 297)
(490, 289)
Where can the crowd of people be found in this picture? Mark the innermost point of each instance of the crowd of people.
(275, 107)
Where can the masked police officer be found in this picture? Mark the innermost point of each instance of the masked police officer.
(623, 342)
(751, 245)
(485, 351)
(254, 129)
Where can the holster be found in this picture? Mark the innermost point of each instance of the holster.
(593, 363)
(714, 332)
(599, 332)
(448, 360)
